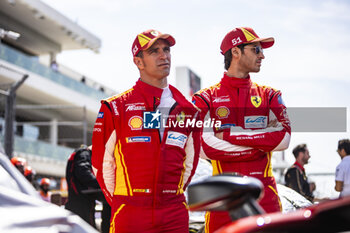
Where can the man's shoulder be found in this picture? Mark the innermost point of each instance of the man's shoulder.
(124, 96)
(292, 169)
(265, 88)
(209, 90)
(208, 93)
(270, 93)
(345, 163)
(346, 160)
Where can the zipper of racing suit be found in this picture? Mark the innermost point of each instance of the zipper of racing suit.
(161, 140)
(237, 108)
(157, 167)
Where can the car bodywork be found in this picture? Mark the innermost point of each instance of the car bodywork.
(233, 194)
(22, 210)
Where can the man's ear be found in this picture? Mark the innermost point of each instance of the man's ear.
(301, 154)
(139, 62)
(236, 52)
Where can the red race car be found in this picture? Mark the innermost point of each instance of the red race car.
(238, 195)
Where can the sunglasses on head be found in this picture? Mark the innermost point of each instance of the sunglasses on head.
(256, 49)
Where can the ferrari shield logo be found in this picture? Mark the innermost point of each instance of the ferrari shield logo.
(256, 101)
(181, 117)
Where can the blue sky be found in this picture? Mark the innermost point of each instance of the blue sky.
(309, 62)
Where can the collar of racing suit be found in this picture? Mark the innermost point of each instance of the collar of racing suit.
(148, 89)
(236, 82)
(151, 91)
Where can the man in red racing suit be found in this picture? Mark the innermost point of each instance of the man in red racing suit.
(143, 171)
(253, 119)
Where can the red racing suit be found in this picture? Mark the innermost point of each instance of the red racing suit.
(142, 176)
(254, 123)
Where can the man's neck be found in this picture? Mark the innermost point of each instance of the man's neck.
(236, 73)
(160, 83)
(301, 163)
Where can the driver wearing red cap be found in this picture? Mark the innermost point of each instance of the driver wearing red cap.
(143, 167)
(253, 119)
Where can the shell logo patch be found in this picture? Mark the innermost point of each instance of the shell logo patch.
(136, 123)
(222, 112)
(256, 101)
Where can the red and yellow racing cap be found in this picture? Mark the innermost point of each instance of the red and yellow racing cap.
(146, 39)
(243, 35)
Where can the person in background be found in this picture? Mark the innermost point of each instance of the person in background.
(19, 163)
(295, 176)
(44, 189)
(254, 120)
(27, 171)
(30, 173)
(342, 173)
(81, 181)
(143, 168)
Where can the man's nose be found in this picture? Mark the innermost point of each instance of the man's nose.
(261, 55)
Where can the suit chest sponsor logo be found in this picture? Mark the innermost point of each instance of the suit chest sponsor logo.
(135, 123)
(181, 117)
(222, 112)
(221, 99)
(176, 139)
(138, 139)
(255, 122)
(256, 101)
(135, 107)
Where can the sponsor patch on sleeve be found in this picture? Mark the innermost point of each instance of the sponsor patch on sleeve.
(100, 115)
(176, 139)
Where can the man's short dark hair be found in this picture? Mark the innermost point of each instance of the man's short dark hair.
(344, 144)
(298, 149)
(140, 54)
(228, 55)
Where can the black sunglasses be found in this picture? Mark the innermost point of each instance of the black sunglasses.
(257, 49)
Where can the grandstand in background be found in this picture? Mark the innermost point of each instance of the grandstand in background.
(55, 107)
